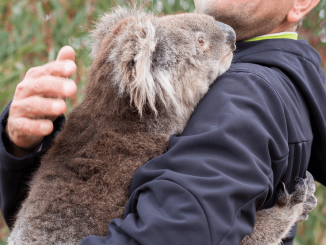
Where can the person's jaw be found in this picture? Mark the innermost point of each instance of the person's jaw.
(249, 18)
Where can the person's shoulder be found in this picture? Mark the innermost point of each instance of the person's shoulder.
(248, 80)
(244, 88)
(252, 72)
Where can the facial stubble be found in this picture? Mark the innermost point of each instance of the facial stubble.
(244, 20)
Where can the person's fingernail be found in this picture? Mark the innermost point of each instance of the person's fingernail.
(69, 66)
(69, 88)
(45, 128)
(56, 106)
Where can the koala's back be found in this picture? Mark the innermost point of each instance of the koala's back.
(83, 180)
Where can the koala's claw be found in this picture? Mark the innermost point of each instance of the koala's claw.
(300, 192)
(302, 217)
(310, 204)
(310, 183)
(282, 196)
(299, 180)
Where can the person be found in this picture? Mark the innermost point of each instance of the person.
(263, 122)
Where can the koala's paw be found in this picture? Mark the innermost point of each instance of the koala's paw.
(311, 200)
(303, 195)
(274, 224)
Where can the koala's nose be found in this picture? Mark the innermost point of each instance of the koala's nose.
(231, 39)
(228, 30)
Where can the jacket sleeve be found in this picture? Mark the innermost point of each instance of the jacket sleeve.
(15, 173)
(207, 187)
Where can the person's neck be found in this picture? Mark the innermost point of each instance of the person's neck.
(284, 26)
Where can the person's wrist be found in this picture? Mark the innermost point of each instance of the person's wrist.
(21, 152)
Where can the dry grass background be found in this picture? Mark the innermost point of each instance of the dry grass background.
(33, 31)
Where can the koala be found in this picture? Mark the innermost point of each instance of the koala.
(147, 76)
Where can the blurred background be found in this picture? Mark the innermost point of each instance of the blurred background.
(33, 31)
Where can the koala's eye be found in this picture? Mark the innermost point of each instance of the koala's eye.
(201, 40)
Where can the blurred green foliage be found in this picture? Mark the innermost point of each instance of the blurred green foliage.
(313, 231)
(33, 31)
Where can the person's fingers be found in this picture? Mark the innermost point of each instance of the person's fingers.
(60, 68)
(22, 126)
(45, 86)
(66, 53)
(64, 68)
(36, 106)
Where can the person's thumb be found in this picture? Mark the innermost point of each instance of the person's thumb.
(66, 53)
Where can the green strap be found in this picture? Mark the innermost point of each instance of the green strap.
(286, 35)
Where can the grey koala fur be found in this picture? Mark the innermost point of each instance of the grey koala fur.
(147, 76)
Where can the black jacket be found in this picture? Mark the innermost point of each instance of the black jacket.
(262, 122)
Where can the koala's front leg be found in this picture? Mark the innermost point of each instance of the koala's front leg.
(275, 223)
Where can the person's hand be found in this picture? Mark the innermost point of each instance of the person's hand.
(38, 101)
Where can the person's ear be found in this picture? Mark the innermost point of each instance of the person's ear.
(300, 9)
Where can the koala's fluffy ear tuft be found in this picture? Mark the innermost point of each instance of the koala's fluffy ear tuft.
(134, 49)
(107, 23)
(129, 38)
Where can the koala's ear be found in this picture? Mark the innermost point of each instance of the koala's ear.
(132, 61)
(107, 23)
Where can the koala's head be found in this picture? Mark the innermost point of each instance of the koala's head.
(169, 61)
